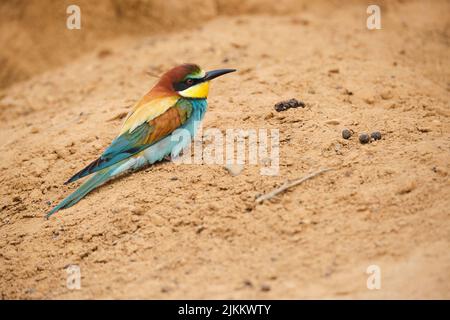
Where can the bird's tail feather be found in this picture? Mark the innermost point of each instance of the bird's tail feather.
(98, 179)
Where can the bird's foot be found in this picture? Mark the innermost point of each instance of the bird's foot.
(173, 157)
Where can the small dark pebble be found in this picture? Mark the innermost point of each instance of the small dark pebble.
(265, 287)
(165, 289)
(348, 92)
(376, 135)
(346, 134)
(248, 283)
(334, 70)
(200, 229)
(292, 103)
(104, 53)
(364, 138)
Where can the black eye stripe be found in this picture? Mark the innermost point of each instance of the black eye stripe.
(183, 85)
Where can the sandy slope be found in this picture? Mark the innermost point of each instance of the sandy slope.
(194, 231)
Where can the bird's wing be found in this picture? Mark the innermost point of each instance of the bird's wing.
(146, 125)
(146, 110)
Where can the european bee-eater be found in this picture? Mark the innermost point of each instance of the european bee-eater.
(178, 100)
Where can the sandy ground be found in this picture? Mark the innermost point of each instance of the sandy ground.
(194, 231)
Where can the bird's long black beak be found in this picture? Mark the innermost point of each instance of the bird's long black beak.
(216, 73)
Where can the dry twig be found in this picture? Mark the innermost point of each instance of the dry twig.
(151, 74)
(289, 184)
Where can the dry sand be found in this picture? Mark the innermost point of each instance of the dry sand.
(194, 231)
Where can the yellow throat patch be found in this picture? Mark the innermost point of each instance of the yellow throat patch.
(198, 91)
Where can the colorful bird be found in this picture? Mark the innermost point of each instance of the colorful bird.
(178, 100)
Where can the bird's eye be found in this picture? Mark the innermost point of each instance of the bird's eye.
(189, 82)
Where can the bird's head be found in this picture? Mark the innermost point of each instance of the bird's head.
(189, 80)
